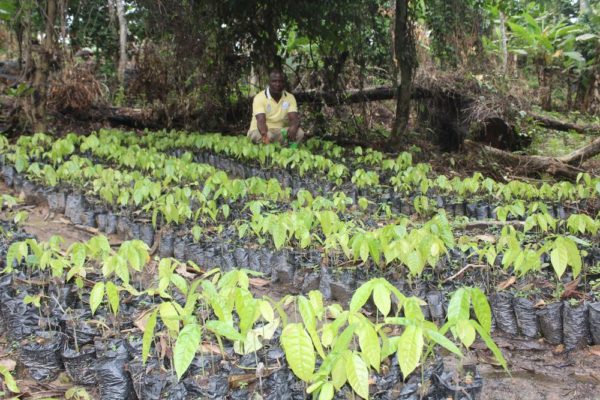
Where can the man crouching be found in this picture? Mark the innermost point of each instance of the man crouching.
(275, 115)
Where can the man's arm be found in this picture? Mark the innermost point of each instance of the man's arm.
(261, 123)
(294, 119)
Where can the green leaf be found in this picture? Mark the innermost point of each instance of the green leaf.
(186, 346)
(112, 293)
(310, 322)
(559, 256)
(369, 344)
(465, 332)
(361, 295)
(410, 348)
(96, 296)
(443, 341)
(382, 299)
(482, 308)
(458, 307)
(9, 381)
(148, 335)
(224, 329)
(169, 316)
(299, 351)
(574, 256)
(358, 375)
(338, 371)
(326, 392)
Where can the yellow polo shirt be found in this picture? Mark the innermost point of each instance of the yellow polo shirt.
(276, 112)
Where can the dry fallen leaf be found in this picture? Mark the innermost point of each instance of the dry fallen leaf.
(258, 282)
(486, 238)
(210, 348)
(182, 270)
(506, 284)
(595, 350)
(8, 364)
(142, 320)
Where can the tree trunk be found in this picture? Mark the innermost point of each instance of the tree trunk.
(122, 40)
(45, 56)
(404, 46)
(26, 38)
(503, 43)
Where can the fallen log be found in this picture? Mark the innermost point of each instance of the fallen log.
(534, 165)
(556, 124)
(578, 156)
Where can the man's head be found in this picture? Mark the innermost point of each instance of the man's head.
(276, 82)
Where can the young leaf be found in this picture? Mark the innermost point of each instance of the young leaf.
(299, 351)
(381, 297)
(9, 381)
(410, 347)
(224, 329)
(186, 345)
(369, 344)
(96, 296)
(112, 293)
(361, 295)
(482, 308)
(358, 375)
(559, 257)
(148, 335)
(326, 392)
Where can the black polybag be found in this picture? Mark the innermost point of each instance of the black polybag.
(282, 270)
(148, 381)
(435, 300)
(74, 207)
(165, 246)
(114, 383)
(551, 323)
(575, 325)
(57, 202)
(79, 364)
(594, 316)
(41, 355)
(527, 320)
(502, 309)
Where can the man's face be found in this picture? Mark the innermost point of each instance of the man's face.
(276, 83)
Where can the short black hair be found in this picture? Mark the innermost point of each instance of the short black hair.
(276, 71)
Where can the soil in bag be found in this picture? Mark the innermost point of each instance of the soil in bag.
(20, 319)
(41, 355)
(165, 246)
(435, 301)
(147, 234)
(74, 207)
(467, 387)
(79, 364)
(575, 325)
(114, 383)
(111, 224)
(148, 381)
(594, 317)
(527, 319)
(57, 202)
(282, 269)
(551, 324)
(503, 312)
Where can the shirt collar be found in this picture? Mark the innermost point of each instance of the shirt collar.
(268, 93)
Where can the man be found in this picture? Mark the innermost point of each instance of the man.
(274, 110)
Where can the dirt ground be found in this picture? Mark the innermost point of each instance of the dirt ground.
(537, 370)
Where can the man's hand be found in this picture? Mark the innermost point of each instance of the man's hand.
(265, 139)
